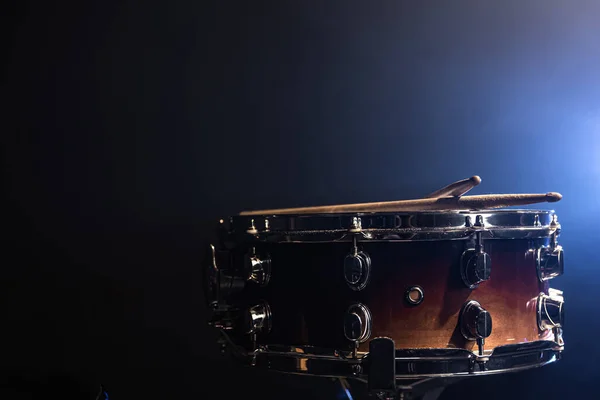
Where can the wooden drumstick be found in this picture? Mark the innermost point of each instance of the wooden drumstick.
(479, 202)
(456, 189)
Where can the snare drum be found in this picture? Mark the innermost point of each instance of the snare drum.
(413, 295)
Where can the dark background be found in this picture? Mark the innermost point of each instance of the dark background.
(131, 127)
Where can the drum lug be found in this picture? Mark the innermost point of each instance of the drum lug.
(475, 323)
(251, 322)
(257, 319)
(475, 264)
(357, 324)
(550, 310)
(258, 269)
(549, 262)
(357, 268)
(219, 286)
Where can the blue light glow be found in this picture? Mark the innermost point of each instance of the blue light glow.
(345, 393)
(348, 394)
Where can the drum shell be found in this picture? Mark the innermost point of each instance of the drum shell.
(308, 295)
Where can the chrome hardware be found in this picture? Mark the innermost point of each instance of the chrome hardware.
(554, 223)
(382, 367)
(410, 363)
(558, 336)
(556, 293)
(550, 310)
(357, 323)
(468, 221)
(356, 225)
(476, 267)
(550, 262)
(475, 323)
(224, 324)
(259, 269)
(406, 226)
(479, 221)
(555, 226)
(357, 269)
(211, 279)
(218, 285)
(257, 319)
(475, 264)
(414, 295)
(353, 326)
(223, 317)
(252, 229)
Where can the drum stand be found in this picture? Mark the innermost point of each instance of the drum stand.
(426, 389)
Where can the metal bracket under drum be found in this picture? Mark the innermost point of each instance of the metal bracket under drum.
(412, 392)
(382, 376)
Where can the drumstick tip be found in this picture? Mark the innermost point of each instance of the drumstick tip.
(553, 197)
(475, 179)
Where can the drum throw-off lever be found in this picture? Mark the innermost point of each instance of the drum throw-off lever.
(382, 368)
(382, 379)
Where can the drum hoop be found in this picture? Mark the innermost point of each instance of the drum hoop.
(307, 360)
(390, 227)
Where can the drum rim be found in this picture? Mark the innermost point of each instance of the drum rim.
(503, 359)
(390, 226)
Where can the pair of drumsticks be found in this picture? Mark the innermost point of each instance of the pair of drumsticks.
(445, 199)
